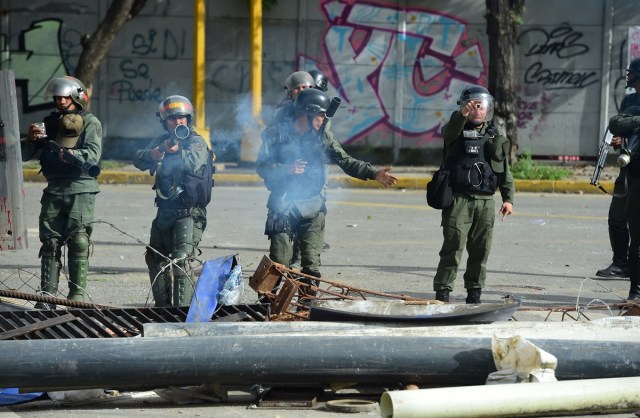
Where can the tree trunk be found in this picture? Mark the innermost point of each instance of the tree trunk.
(96, 45)
(503, 20)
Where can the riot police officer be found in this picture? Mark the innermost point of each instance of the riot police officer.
(293, 162)
(68, 201)
(617, 220)
(476, 155)
(320, 80)
(181, 161)
(627, 124)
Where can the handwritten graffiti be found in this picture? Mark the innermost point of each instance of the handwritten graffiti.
(126, 90)
(562, 79)
(561, 42)
(171, 46)
(367, 49)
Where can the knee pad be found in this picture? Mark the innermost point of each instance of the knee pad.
(78, 245)
(183, 245)
(50, 248)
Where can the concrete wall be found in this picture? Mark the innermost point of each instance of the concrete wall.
(398, 65)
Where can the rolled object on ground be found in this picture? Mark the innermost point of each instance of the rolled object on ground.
(518, 399)
(287, 359)
(618, 329)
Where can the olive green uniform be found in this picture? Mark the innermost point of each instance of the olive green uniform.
(67, 205)
(469, 221)
(296, 205)
(177, 228)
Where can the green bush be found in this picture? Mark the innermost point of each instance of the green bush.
(527, 169)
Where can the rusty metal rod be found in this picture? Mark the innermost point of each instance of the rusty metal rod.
(284, 270)
(51, 300)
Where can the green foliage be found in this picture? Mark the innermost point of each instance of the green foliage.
(527, 169)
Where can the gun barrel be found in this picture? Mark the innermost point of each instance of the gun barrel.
(333, 106)
(88, 167)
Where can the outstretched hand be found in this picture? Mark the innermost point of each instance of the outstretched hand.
(506, 210)
(385, 178)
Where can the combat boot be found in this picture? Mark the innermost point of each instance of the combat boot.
(634, 288)
(78, 270)
(620, 245)
(473, 296)
(442, 295)
(49, 271)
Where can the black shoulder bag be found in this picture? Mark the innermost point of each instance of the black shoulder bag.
(439, 190)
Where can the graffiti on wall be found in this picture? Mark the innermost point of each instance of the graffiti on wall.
(550, 49)
(373, 50)
(135, 82)
(37, 60)
(563, 43)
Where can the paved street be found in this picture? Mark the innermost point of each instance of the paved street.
(385, 240)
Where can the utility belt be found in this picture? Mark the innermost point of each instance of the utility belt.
(278, 223)
(180, 210)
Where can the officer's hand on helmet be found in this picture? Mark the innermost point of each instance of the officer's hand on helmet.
(385, 178)
(506, 210)
(469, 108)
(297, 167)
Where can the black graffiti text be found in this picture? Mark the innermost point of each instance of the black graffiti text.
(124, 90)
(172, 46)
(561, 79)
(561, 42)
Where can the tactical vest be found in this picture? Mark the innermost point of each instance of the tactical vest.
(470, 165)
(194, 189)
(291, 147)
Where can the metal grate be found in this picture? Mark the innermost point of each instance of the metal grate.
(107, 323)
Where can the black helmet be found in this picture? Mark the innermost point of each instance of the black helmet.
(320, 79)
(480, 95)
(68, 86)
(297, 79)
(311, 102)
(633, 68)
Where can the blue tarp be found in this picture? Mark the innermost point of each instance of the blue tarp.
(210, 287)
(11, 396)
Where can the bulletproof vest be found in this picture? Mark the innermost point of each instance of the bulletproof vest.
(292, 146)
(470, 165)
(184, 190)
(50, 163)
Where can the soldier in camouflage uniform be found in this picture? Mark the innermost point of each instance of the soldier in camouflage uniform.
(177, 158)
(68, 201)
(293, 163)
(476, 156)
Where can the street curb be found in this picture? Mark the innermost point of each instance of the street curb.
(411, 181)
